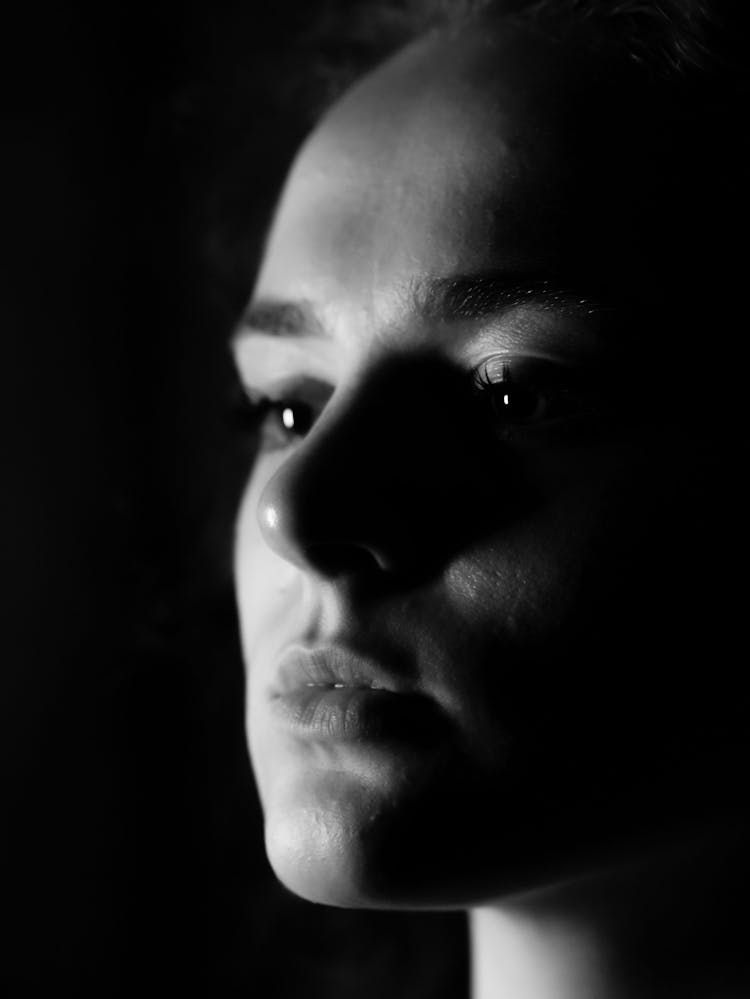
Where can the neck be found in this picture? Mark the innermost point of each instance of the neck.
(518, 956)
(658, 928)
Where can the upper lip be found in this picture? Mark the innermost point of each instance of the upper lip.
(333, 666)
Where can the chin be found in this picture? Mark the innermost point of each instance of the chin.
(324, 841)
(342, 838)
(365, 823)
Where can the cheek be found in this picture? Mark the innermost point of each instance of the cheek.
(261, 581)
(261, 577)
(546, 609)
(250, 557)
(272, 597)
(524, 581)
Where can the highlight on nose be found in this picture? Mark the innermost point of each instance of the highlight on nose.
(318, 542)
(269, 518)
(301, 511)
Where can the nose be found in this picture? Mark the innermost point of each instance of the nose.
(384, 481)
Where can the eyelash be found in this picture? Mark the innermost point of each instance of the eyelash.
(525, 393)
(515, 394)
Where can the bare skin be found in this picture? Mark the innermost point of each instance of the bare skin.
(475, 491)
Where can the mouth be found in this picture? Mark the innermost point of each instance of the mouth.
(333, 694)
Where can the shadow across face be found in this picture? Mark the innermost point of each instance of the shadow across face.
(515, 498)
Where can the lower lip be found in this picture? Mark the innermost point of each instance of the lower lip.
(357, 714)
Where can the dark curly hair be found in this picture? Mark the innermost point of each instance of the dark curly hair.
(676, 40)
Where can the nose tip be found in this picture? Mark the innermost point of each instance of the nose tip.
(278, 523)
(314, 532)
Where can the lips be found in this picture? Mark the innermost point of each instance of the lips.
(334, 694)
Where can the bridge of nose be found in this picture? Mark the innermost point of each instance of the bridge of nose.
(380, 469)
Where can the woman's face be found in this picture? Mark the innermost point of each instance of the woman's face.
(467, 550)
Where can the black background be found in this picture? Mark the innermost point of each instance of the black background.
(142, 151)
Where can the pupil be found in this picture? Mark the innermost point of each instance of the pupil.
(514, 403)
(296, 417)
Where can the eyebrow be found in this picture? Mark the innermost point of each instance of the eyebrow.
(477, 296)
(444, 299)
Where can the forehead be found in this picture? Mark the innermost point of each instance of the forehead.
(411, 171)
(488, 150)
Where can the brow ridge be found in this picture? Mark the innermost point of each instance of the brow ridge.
(449, 299)
(476, 296)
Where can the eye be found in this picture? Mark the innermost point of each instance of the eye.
(285, 415)
(285, 420)
(525, 392)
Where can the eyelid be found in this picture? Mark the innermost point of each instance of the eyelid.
(531, 394)
(497, 366)
(527, 331)
(264, 361)
(305, 396)
(300, 389)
